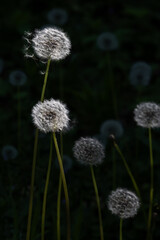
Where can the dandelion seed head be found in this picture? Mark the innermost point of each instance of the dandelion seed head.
(123, 203)
(113, 127)
(140, 74)
(9, 152)
(51, 43)
(17, 78)
(147, 115)
(57, 16)
(107, 41)
(88, 151)
(50, 116)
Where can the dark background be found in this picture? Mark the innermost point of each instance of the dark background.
(81, 81)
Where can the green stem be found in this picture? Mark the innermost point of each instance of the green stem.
(45, 191)
(45, 80)
(34, 162)
(98, 203)
(120, 229)
(110, 74)
(64, 185)
(59, 193)
(151, 186)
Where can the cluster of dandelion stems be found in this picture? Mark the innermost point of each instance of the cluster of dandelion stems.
(62, 177)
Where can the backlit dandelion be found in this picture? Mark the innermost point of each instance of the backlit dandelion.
(17, 78)
(107, 41)
(57, 16)
(9, 152)
(147, 115)
(140, 74)
(48, 43)
(88, 151)
(123, 203)
(50, 116)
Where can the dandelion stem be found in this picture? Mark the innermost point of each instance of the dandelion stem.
(114, 168)
(34, 162)
(98, 202)
(45, 191)
(151, 186)
(59, 193)
(120, 229)
(110, 75)
(64, 185)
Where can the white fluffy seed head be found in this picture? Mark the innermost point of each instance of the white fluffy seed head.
(50, 43)
(17, 78)
(88, 151)
(140, 74)
(107, 41)
(50, 116)
(147, 115)
(123, 203)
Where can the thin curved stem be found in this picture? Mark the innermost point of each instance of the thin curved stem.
(98, 203)
(59, 193)
(64, 185)
(151, 186)
(120, 229)
(19, 119)
(34, 161)
(45, 191)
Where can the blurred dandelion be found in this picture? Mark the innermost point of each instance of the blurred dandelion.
(113, 127)
(9, 152)
(123, 203)
(140, 74)
(17, 78)
(89, 151)
(1, 65)
(57, 16)
(48, 43)
(107, 41)
(50, 116)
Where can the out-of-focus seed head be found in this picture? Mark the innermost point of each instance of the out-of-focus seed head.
(48, 43)
(88, 151)
(123, 203)
(67, 163)
(109, 127)
(50, 116)
(57, 16)
(17, 78)
(140, 74)
(107, 41)
(1, 65)
(9, 152)
(147, 115)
